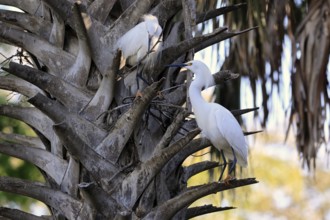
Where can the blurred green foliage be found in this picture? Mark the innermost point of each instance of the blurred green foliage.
(14, 167)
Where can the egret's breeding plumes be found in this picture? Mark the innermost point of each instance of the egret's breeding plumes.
(141, 43)
(216, 122)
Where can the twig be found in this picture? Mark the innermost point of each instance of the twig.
(112, 146)
(246, 133)
(243, 111)
(206, 209)
(170, 132)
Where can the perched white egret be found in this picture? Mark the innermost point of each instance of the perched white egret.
(216, 122)
(140, 43)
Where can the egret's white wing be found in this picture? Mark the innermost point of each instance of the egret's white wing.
(131, 42)
(232, 132)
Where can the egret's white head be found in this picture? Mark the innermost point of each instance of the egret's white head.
(203, 75)
(150, 18)
(151, 23)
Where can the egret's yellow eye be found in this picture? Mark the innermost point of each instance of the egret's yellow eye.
(189, 64)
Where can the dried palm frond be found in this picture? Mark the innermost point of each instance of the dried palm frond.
(309, 81)
(258, 54)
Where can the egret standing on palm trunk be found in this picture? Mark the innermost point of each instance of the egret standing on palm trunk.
(140, 44)
(216, 122)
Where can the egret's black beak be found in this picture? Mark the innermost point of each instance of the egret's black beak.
(177, 65)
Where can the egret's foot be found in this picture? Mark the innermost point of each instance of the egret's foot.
(138, 94)
(228, 179)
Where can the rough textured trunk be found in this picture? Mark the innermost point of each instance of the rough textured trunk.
(105, 154)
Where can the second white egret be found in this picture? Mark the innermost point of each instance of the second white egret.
(140, 44)
(216, 122)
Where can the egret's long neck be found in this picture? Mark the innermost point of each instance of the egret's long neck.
(197, 101)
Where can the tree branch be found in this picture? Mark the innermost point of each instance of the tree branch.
(220, 37)
(243, 111)
(68, 206)
(97, 166)
(125, 4)
(36, 119)
(147, 199)
(171, 53)
(101, 49)
(189, 18)
(105, 93)
(178, 96)
(112, 146)
(224, 75)
(104, 203)
(165, 10)
(169, 208)
(48, 162)
(66, 93)
(102, 40)
(18, 214)
(197, 168)
(219, 11)
(206, 209)
(23, 140)
(27, 22)
(136, 182)
(128, 19)
(57, 34)
(29, 6)
(78, 72)
(246, 133)
(100, 9)
(53, 57)
(64, 10)
(71, 177)
(87, 131)
(171, 131)
(15, 84)
(194, 146)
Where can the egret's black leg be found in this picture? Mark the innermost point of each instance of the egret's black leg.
(224, 164)
(232, 167)
(137, 77)
(149, 43)
(143, 79)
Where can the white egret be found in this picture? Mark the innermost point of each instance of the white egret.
(140, 43)
(216, 122)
